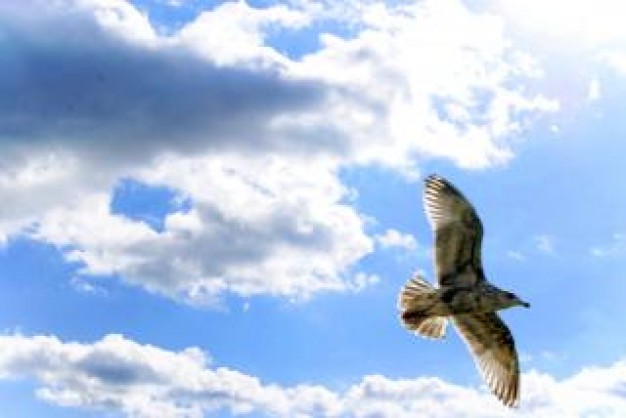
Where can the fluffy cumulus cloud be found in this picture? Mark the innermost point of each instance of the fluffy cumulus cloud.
(282, 232)
(252, 137)
(393, 238)
(119, 375)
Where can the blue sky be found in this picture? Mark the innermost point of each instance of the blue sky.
(211, 206)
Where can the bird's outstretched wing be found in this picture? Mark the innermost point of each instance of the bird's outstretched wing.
(493, 349)
(458, 233)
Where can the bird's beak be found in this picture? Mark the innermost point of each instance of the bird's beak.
(526, 304)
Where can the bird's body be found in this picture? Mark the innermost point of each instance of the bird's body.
(463, 296)
(452, 300)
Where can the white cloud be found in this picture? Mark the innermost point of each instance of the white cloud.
(582, 37)
(613, 58)
(583, 23)
(410, 81)
(440, 93)
(542, 357)
(594, 92)
(254, 138)
(516, 255)
(545, 244)
(175, 3)
(555, 129)
(117, 374)
(616, 247)
(85, 286)
(283, 233)
(234, 33)
(394, 238)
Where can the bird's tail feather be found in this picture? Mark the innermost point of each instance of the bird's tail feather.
(415, 298)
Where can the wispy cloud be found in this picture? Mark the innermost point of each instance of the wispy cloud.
(119, 375)
(616, 247)
(545, 244)
(542, 356)
(175, 3)
(516, 255)
(593, 92)
(82, 285)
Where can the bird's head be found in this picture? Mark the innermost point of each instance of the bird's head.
(508, 299)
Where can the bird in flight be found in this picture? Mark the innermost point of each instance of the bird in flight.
(463, 295)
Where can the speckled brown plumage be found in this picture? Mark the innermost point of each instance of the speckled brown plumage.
(463, 294)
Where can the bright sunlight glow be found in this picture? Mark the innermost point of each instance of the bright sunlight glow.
(585, 22)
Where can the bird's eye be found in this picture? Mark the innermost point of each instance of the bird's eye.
(510, 295)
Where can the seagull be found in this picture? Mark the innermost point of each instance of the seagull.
(463, 295)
